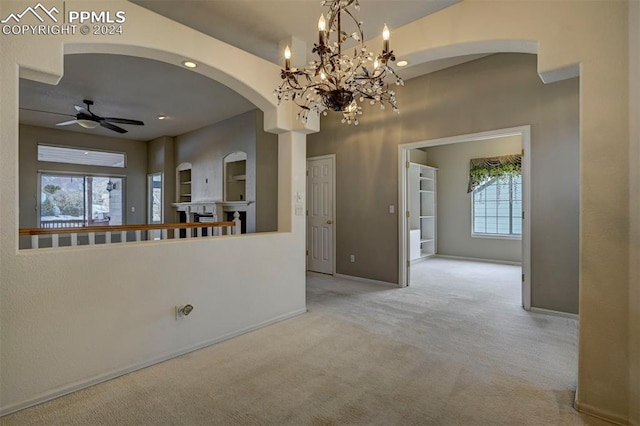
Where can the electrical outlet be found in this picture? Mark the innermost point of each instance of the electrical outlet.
(133, 209)
(392, 209)
(352, 258)
(183, 311)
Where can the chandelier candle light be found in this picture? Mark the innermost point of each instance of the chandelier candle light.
(337, 81)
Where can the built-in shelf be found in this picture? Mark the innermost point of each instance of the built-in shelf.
(235, 176)
(422, 211)
(183, 182)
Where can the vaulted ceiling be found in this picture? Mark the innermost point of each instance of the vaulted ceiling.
(142, 89)
(257, 26)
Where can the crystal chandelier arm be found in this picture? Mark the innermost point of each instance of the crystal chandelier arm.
(336, 81)
(360, 32)
(335, 7)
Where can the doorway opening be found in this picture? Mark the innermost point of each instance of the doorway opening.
(487, 222)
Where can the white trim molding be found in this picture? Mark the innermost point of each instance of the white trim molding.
(365, 280)
(74, 387)
(403, 241)
(554, 313)
(477, 259)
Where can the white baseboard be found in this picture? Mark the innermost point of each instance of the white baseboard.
(74, 387)
(601, 414)
(420, 259)
(554, 313)
(477, 259)
(365, 280)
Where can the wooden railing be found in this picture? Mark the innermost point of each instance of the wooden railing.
(92, 235)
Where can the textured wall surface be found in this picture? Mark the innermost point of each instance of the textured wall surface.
(454, 204)
(134, 172)
(596, 49)
(75, 316)
(122, 319)
(496, 92)
(634, 199)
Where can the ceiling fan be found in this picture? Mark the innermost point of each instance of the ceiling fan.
(87, 119)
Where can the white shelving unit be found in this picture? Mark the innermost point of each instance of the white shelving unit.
(183, 183)
(422, 211)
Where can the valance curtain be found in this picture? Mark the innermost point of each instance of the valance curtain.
(481, 170)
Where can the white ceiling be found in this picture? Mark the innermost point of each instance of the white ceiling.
(134, 88)
(141, 89)
(258, 26)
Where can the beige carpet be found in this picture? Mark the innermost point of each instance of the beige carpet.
(453, 349)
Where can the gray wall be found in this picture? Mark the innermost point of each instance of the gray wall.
(495, 92)
(205, 149)
(160, 155)
(454, 204)
(266, 178)
(134, 172)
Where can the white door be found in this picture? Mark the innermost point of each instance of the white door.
(320, 215)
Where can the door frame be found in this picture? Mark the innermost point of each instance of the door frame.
(331, 157)
(403, 156)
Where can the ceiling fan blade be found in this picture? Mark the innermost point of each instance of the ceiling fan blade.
(67, 123)
(46, 112)
(82, 110)
(123, 121)
(112, 127)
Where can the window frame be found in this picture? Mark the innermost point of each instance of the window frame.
(486, 235)
(81, 149)
(74, 174)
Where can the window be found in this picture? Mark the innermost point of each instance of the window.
(497, 207)
(155, 197)
(68, 201)
(84, 156)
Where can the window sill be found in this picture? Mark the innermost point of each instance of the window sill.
(497, 236)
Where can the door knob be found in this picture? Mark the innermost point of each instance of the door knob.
(329, 222)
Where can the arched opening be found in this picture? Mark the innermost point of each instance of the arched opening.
(183, 116)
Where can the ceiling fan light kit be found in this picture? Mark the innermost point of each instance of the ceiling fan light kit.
(337, 81)
(88, 124)
(87, 119)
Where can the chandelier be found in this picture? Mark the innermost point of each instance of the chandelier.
(337, 81)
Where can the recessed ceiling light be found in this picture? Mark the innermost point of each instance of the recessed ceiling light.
(189, 64)
(162, 117)
(402, 63)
